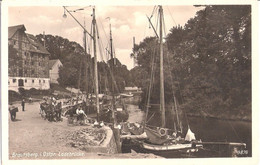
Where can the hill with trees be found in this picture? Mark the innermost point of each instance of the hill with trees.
(207, 63)
(77, 69)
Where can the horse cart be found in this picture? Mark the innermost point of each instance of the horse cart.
(51, 112)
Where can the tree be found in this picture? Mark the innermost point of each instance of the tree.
(216, 51)
(207, 63)
(77, 70)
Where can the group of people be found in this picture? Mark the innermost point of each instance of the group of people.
(82, 118)
(51, 109)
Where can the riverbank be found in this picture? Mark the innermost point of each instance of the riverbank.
(206, 128)
(222, 116)
(32, 137)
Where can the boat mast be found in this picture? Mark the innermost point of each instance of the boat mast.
(162, 101)
(112, 74)
(85, 53)
(95, 62)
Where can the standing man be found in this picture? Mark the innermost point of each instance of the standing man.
(12, 110)
(23, 104)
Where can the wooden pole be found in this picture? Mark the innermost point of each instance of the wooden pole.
(116, 130)
(85, 52)
(177, 114)
(134, 58)
(95, 63)
(79, 81)
(112, 79)
(162, 101)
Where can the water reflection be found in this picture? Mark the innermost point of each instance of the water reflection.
(206, 129)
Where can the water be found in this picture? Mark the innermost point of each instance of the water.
(206, 129)
(215, 130)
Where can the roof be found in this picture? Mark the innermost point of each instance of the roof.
(13, 29)
(35, 46)
(52, 62)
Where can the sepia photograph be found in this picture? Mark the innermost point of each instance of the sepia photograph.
(137, 81)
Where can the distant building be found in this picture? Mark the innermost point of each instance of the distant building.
(132, 89)
(54, 66)
(28, 61)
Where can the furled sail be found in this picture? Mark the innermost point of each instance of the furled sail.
(190, 136)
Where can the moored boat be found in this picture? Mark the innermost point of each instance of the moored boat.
(161, 139)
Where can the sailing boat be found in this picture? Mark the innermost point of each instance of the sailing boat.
(161, 139)
(116, 112)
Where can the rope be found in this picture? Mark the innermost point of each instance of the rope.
(151, 82)
(102, 48)
(91, 64)
(150, 118)
(154, 9)
(234, 131)
(171, 77)
(157, 20)
(171, 16)
(164, 25)
(103, 30)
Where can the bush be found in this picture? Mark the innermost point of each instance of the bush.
(34, 91)
(13, 96)
(22, 92)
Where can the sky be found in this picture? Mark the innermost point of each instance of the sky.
(126, 22)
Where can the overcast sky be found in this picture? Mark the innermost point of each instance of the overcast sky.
(126, 21)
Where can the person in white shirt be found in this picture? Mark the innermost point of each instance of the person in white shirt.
(80, 113)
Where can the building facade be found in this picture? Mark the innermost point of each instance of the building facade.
(28, 61)
(54, 66)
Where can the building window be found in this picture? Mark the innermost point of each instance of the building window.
(14, 80)
(43, 81)
(33, 71)
(39, 64)
(20, 83)
(25, 80)
(32, 81)
(32, 63)
(39, 81)
(8, 82)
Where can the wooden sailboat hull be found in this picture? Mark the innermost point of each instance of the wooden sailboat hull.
(158, 143)
(124, 95)
(171, 151)
(167, 151)
(154, 136)
(171, 147)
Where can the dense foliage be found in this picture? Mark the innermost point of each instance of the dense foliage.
(207, 63)
(77, 70)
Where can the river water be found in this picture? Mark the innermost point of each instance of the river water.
(206, 129)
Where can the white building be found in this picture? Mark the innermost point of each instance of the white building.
(54, 66)
(28, 61)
